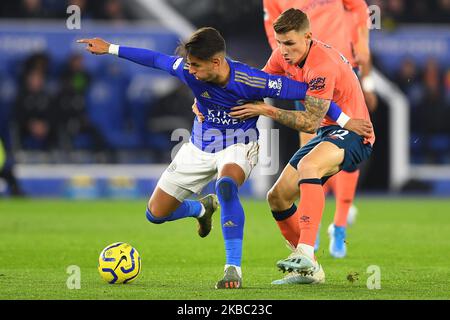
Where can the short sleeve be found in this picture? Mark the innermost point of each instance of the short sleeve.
(321, 82)
(273, 65)
(177, 69)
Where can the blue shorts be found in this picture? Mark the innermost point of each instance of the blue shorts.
(355, 150)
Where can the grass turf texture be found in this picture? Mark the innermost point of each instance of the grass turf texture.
(408, 239)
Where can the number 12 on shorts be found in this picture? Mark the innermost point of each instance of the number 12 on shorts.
(338, 134)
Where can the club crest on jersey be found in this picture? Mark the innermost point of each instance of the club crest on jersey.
(317, 83)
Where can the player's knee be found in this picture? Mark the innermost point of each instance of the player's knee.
(306, 166)
(276, 200)
(226, 188)
(272, 196)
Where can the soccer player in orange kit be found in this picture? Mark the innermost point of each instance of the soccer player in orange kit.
(330, 77)
(341, 24)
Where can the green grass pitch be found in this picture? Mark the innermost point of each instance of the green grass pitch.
(408, 239)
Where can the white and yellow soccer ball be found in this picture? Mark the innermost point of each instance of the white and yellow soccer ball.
(119, 263)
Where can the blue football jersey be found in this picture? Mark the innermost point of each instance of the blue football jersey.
(245, 84)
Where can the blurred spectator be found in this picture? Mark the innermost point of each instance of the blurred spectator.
(73, 121)
(115, 11)
(447, 90)
(419, 11)
(444, 11)
(34, 114)
(170, 112)
(38, 62)
(32, 9)
(7, 168)
(428, 93)
(2, 155)
(447, 100)
(86, 12)
(432, 114)
(398, 11)
(210, 12)
(44, 9)
(433, 104)
(409, 81)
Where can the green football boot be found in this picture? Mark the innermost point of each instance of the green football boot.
(210, 202)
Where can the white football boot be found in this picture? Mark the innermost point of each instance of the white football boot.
(314, 276)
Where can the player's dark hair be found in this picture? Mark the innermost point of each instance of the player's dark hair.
(291, 19)
(203, 44)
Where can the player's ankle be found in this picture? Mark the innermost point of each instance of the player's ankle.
(238, 268)
(307, 250)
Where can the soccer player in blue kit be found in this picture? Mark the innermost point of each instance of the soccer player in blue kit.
(220, 146)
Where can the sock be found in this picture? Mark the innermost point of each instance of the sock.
(287, 221)
(232, 219)
(307, 249)
(202, 211)
(188, 208)
(312, 202)
(330, 186)
(346, 183)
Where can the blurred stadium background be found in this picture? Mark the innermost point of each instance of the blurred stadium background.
(78, 126)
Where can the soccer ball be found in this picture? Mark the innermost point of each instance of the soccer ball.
(119, 263)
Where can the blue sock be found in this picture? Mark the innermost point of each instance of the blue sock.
(188, 208)
(232, 218)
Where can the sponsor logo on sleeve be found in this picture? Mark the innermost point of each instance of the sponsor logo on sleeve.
(276, 84)
(177, 63)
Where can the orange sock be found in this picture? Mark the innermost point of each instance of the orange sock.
(346, 183)
(310, 207)
(330, 185)
(287, 221)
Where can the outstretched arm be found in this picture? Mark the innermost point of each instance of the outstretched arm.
(144, 57)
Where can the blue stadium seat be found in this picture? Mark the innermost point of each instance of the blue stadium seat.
(416, 142)
(141, 98)
(416, 147)
(440, 142)
(8, 92)
(106, 108)
(82, 142)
